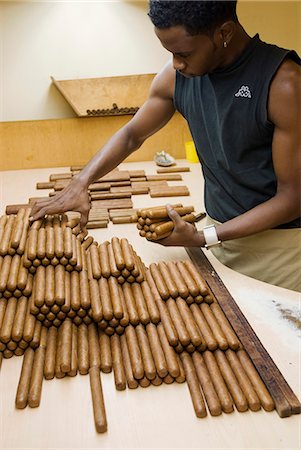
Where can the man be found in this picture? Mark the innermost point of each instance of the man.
(241, 98)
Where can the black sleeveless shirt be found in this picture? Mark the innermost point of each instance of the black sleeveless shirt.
(227, 115)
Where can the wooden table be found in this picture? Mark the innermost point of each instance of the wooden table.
(156, 417)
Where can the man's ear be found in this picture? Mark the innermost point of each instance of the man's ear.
(224, 33)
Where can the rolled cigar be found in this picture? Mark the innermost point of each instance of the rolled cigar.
(118, 254)
(40, 283)
(66, 348)
(79, 256)
(203, 375)
(23, 344)
(84, 290)
(17, 229)
(157, 381)
(32, 243)
(193, 385)
(19, 319)
(231, 381)
(5, 271)
(50, 355)
(58, 238)
(18, 352)
(94, 350)
(24, 381)
(13, 273)
(113, 267)
(75, 291)
(178, 279)
(36, 335)
(105, 298)
(11, 345)
(36, 381)
(168, 379)
(135, 354)
(95, 262)
(28, 288)
(84, 259)
(231, 337)
(97, 400)
(56, 309)
(50, 251)
(162, 229)
(193, 288)
(169, 353)
(119, 374)
(58, 372)
(178, 322)
(64, 261)
(127, 254)
(169, 191)
(125, 320)
(131, 381)
(68, 248)
(104, 259)
(74, 363)
(59, 292)
(146, 352)
(105, 353)
(5, 242)
(158, 279)
(97, 312)
(73, 259)
(160, 362)
(140, 303)
(207, 334)
(8, 320)
(150, 302)
(87, 242)
(3, 220)
(243, 380)
(173, 169)
(67, 305)
(265, 398)
(214, 325)
(130, 304)
(22, 276)
(41, 244)
(141, 268)
(36, 263)
(173, 291)
(198, 278)
(160, 212)
(83, 349)
(144, 382)
(49, 287)
(181, 378)
(23, 239)
(191, 325)
(115, 298)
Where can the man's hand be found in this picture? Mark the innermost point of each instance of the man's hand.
(184, 234)
(73, 198)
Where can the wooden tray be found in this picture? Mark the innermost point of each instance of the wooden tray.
(286, 402)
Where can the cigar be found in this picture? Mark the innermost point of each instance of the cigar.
(193, 385)
(198, 278)
(67, 305)
(84, 290)
(95, 262)
(178, 279)
(23, 239)
(105, 353)
(39, 282)
(119, 374)
(5, 271)
(113, 266)
(140, 304)
(144, 382)
(157, 350)
(193, 288)
(213, 324)
(83, 349)
(173, 291)
(24, 381)
(127, 252)
(173, 169)
(68, 246)
(157, 277)
(230, 336)
(97, 400)
(97, 312)
(73, 259)
(8, 320)
(19, 319)
(207, 334)
(58, 238)
(105, 298)
(50, 355)
(59, 276)
(22, 276)
(192, 328)
(5, 241)
(13, 273)
(125, 320)
(181, 378)
(135, 354)
(115, 298)
(28, 288)
(150, 302)
(17, 229)
(66, 346)
(41, 244)
(231, 382)
(104, 259)
(130, 304)
(79, 260)
(118, 254)
(74, 364)
(36, 335)
(75, 291)
(169, 353)
(36, 381)
(131, 381)
(87, 242)
(146, 352)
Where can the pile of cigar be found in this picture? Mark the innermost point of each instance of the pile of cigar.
(104, 311)
(154, 223)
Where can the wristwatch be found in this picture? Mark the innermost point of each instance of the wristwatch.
(211, 237)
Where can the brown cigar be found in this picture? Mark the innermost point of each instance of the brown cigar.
(115, 298)
(98, 401)
(191, 325)
(5, 241)
(32, 244)
(94, 350)
(13, 273)
(135, 354)
(22, 276)
(23, 240)
(211, 396)
(157, 277)
(49, 239)
(35, 388)
(178, 279)
(36, 335)
(167, 323)
(207, 334)
(214, 325)
(178, 322)
(105, 298)
(4, 273)
(58, 238)
(198, 278)
(169, 353)
(73, 259)
(119, 374)
(140, 303)
(75, 291)
(173, 291)
(49, 291)
(243, 380)
(87, 242)
(105, 353)
(66, 348)
(193, 288)
(181, 378)
(104, 259)
(146, 352)
(125, 320)
(262, 392)
(49, 365)
(95, 262)
(225, 326)
(68, 247)
(41, 244)
(150, 302)
(67, 305)
(8, 320)
(39, 282)
(127, 254)
(24, 381)
(130, 304)
(74, 363)
(59, 277)
(58, 354)
(231, 381)
(193, 385)
(17, 229)
(157, 350)
(84, 290)
(131, 381)
(19, 319)
(118, 254)
(79, 256)
(96, 305)
(113, 266)
(83, 349)
(29, 324)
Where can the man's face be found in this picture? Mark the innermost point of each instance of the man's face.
(192, 55)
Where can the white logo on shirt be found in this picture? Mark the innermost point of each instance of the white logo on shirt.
(244, 91)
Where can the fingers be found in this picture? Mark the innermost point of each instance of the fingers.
(173, 215)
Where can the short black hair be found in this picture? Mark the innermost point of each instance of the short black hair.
(196, 16)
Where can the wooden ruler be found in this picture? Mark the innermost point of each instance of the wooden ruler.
(286, 402)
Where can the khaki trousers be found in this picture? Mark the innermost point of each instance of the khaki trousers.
(273, 256)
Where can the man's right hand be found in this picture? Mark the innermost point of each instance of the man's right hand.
(74, 197)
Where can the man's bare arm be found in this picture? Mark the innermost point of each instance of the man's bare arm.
(152, 116)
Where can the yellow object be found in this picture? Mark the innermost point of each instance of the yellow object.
(191, 154)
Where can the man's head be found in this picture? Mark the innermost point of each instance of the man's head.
(197, 33)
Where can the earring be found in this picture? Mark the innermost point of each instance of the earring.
(225, 44)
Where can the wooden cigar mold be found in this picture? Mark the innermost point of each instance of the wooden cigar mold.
(71, 305)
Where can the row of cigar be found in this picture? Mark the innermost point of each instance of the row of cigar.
(115, 111)
(154, 223)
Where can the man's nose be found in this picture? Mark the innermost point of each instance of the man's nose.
(178, 64)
